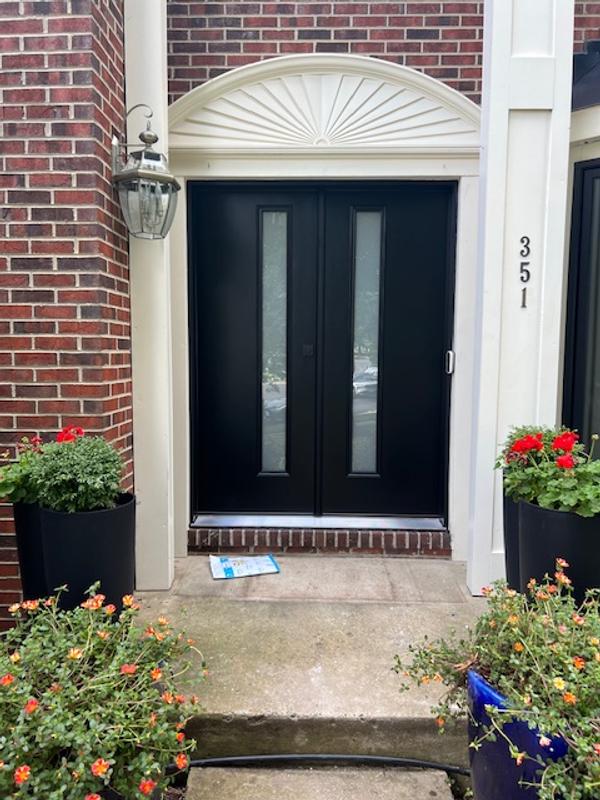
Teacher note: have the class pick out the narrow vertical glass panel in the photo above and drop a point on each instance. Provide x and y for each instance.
(365, 379)
(274, 225)
(592, 389)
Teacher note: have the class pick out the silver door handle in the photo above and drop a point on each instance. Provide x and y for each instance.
(450, 361)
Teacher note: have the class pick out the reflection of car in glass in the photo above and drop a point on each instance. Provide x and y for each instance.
(365, 382)
(274, 400)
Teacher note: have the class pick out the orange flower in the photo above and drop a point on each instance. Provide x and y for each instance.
(92, 797)
(152, 720)
(156, 674)
(100, 767)
(22, 774)
(578, 662)
(75, 653)
(110, 609)
(128, 600)
(7, 679)
(55, 687)
(163, 621)
(560, 562)
(30, 605)
(562, 578)
(149, 632)
(569, 698)
(513, 619)
(487, 591)
(30, 706)
(520, 758)
(180, 698)
(14, 608)
(94, 603)
(181, 760)
(147, 786)
(518, 647)
(440, 722)
(180, 736)
(167, 697)
(128, 669)
(103, 635)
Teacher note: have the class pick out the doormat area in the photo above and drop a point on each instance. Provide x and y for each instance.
(432, 544)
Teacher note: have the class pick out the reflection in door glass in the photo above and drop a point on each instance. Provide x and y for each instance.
(367, 270)
(592, 389)
(274, 340)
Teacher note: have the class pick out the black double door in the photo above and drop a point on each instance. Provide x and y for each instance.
(320, 319)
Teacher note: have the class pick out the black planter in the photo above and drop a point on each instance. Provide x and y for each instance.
(546, 535)
(511, 542)
(77, 549)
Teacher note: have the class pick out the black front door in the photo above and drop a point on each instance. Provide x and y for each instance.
(320, 318)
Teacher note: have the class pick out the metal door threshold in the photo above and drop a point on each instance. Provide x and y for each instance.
(329, 522)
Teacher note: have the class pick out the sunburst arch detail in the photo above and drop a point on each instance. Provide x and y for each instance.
(323, 102)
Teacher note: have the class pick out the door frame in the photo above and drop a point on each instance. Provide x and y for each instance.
(454, 157)
(318, 186)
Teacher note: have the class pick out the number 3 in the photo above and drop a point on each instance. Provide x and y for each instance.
(526, 249)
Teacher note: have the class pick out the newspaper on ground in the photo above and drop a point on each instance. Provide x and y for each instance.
(242, 566)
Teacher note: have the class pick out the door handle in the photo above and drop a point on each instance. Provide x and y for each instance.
(450, 361)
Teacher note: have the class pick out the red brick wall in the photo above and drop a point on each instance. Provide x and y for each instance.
(443, 39)
(64, 307)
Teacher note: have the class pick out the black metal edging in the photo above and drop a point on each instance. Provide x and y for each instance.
(324, 758)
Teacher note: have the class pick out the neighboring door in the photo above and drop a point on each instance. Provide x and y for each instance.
(320, 318)
(581, 395)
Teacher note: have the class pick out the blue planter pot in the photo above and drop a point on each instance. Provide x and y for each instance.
(494, 773)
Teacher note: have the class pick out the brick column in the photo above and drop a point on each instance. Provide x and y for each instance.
(64, 283)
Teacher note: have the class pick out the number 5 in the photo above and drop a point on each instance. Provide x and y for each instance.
(525, 273)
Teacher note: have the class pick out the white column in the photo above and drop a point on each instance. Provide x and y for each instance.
(528, 49)
(146, 82)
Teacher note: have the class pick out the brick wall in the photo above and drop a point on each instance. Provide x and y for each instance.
(443, 39)
(64, 308)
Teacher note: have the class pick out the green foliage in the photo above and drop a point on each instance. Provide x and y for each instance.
(82, 475)
(543, 654)
(556, 473)
(16, 482)
(88, 701)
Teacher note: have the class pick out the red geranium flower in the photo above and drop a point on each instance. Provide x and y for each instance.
(565, 441)
(566, 461)
(527, 443)
(69, 434)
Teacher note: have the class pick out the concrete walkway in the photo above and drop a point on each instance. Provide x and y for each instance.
(301, 662)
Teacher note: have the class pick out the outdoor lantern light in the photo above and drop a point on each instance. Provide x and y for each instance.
(147, 189)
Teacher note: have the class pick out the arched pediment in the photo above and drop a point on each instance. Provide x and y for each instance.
(324, 102)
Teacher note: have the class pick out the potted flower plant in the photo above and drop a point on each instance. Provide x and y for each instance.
(73, 523)
(556, 486)
(526, 677)
(88, 703)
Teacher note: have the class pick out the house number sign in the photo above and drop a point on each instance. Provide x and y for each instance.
(524, 270)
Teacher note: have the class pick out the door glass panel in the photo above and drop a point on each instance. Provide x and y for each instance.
(365, 378)
(274, 226)
(592, 393)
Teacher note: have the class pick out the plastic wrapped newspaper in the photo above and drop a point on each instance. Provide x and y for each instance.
(242, 566)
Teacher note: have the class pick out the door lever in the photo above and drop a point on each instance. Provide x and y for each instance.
(450, 360)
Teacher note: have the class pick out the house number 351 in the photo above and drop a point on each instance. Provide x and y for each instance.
(524, 271)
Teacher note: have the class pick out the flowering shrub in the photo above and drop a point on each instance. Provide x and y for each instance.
(75, 473)
(543, 653)
(551, 468)
(88, 702)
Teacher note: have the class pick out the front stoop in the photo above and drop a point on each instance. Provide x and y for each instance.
(426, 543)
(317, 784)
(301, 662)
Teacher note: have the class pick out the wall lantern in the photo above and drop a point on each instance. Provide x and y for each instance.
(147, 189)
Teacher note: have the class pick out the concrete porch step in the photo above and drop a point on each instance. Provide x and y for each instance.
(317, 784)
(301, 662)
